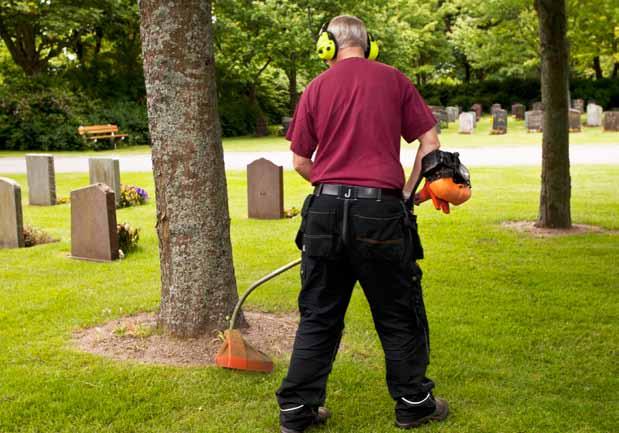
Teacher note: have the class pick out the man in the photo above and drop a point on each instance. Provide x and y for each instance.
(356, 227)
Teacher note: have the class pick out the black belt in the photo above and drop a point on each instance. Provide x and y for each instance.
(353, 192)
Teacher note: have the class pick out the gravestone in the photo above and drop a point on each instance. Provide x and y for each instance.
(611, 121)
(452, 113)
(441, 117)
(286, 124)
(265, 190)
(93, 223)
(534, 121)
(578, 104)
(477, 108)
(467, 122)
(574, 120)
(106, 171)
(11, 219)
(518, 111)
(474, 118)
(41, 179)
(499, 122)
(537, 106)
(494, 108)
(594, 115)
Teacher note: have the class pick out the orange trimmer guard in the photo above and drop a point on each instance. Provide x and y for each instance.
(237, 354)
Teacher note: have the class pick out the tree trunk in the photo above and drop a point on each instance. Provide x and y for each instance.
(293, 95)
(554, 210)
(597, 68)
(198, 287)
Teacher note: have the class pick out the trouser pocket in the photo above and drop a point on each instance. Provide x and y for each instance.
(318, 233)
(379, 238)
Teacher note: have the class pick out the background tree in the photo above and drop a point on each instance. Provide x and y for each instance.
(554, 209)
(198, 286)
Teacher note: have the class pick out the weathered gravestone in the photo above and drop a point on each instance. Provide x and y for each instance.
(93, 223)
(594, 115)
(474, 117)
(441, 117)
(578, 104)
(574, 120)
(467, 122)
(452, 113)
(11, 220)
(518, 111)
(494, 108)
(477, 108)
(499, 122)
(534, 120)
(41, 179)
(611, 121)
(537, 106)
(106, 171)
(265, 190)
(286, 124)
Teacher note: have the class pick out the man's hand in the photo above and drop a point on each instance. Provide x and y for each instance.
(428, 142)
(302, 165)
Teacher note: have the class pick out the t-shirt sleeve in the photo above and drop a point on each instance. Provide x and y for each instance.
(301, 130)
(417, 118)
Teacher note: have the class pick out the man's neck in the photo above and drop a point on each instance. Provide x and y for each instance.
(347, 53)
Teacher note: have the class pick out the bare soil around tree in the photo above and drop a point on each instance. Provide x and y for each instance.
(137, 338)
(529, 227)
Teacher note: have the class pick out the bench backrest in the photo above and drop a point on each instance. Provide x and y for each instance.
(97, 129)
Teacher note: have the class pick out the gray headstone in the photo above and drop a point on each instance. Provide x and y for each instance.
(578, 104)
(574, 120)
(93, 223)
(518, 111)
(594, 115)
(534, 120)
(286, 123)
(41, 179)
(537, 106)
(106, 171)
(494, 108)
(467, 123)
(265, 190)
(11, 219)
(441, 116)
(474, 117)
(610, 121)
(499, 122)
(452, 113)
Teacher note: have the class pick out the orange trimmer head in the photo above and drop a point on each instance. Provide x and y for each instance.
(237, 354)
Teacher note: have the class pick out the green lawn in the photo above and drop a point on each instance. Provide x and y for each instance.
(516, 136)
(524, 330)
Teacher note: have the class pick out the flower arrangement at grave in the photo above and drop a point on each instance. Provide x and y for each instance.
(34, 236)
(128, 238)
(131, 195)
(292, 212)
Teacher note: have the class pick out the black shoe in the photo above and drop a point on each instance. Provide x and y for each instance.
(410, 414)
(314, 417)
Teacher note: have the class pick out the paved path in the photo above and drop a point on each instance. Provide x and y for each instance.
(473, 157)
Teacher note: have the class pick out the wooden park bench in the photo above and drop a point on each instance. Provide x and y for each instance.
(101, 132)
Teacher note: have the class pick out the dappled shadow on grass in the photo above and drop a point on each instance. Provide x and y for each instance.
(137, 338)
(528, 227)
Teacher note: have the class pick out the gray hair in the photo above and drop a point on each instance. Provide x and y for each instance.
(349, 31)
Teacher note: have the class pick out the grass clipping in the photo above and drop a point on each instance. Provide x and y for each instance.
(137, 338)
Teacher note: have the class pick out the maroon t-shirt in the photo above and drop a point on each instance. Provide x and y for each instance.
(352, 115)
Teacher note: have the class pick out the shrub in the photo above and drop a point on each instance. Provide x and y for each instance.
(132, 196)
(128, 238)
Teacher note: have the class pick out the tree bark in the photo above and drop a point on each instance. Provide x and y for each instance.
(293, 95)
(198, 287)
(554, 210)
(597, 67)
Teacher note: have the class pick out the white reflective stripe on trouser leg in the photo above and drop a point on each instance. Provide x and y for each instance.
(292, 408)
(416, 402)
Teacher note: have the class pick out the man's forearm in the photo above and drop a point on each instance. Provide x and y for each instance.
(428, 142)
(303, 166)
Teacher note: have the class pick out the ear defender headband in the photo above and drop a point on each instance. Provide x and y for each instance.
(326, 45)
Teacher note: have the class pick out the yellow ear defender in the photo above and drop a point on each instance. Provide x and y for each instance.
(326, 45)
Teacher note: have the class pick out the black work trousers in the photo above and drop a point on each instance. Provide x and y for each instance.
(342, 242)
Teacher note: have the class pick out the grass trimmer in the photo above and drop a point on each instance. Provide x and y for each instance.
(236, 353)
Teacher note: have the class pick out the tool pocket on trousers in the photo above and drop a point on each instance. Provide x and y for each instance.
(379, 238)
(415, 241)
(318, 233)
